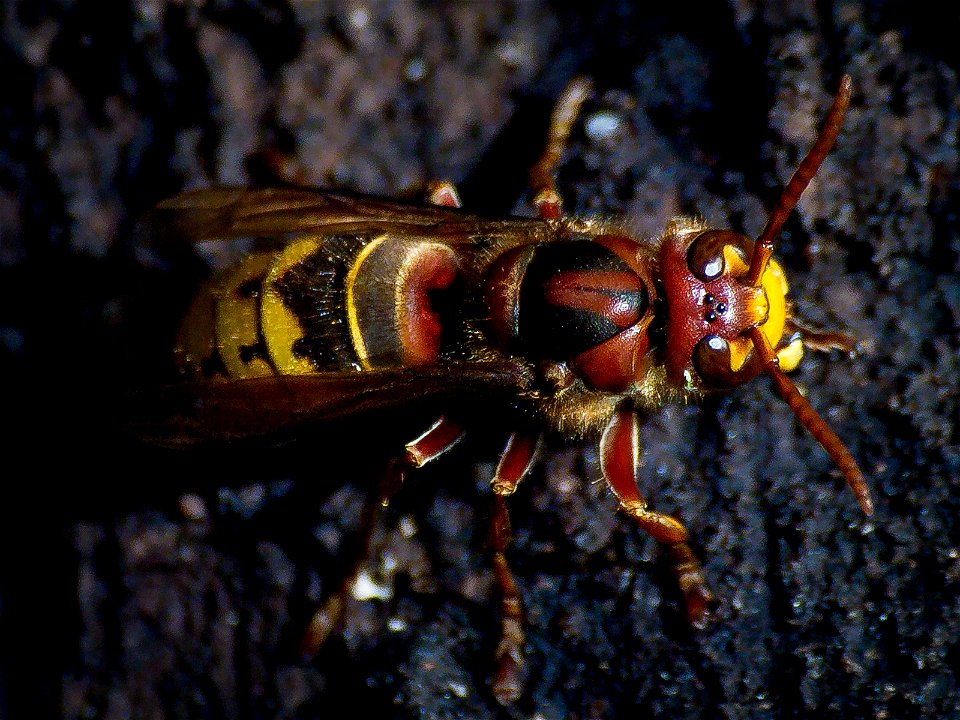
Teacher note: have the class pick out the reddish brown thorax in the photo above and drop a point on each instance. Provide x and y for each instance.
(587, 304)
(619, 362)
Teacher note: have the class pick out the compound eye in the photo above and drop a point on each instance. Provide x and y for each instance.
(713, 360)
(706, 258)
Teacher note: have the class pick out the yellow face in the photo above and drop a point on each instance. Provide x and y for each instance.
(770, 304)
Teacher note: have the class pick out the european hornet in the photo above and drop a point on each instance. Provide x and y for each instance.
(360, 302)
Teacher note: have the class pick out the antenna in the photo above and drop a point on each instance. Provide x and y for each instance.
(763, 249)
(812, 421)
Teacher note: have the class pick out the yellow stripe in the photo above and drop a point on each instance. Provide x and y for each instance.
(280, 326)
(356, 334)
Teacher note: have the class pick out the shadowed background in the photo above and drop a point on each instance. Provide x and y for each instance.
(180, 582)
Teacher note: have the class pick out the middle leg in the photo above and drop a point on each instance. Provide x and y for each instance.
(515, 463)
(543, 184)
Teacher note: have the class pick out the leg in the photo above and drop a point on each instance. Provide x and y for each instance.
(821, 341)
(275, 164)
(696, 594)
(441, 436)
(443, 193)
(619, 448)
(515, 463)
(546, 198)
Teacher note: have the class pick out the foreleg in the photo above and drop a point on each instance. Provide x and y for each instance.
(619, 452)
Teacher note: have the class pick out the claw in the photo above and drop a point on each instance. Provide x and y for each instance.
(325, 621)
(507, 683)
(700, 603)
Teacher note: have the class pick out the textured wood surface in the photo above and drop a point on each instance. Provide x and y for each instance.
(171, 605)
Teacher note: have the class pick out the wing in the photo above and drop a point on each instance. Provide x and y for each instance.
(190, 413)
(222, 213)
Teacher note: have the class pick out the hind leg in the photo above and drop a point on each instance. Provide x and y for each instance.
(439, 438)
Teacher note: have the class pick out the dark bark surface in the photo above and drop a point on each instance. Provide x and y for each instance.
(146, 583)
